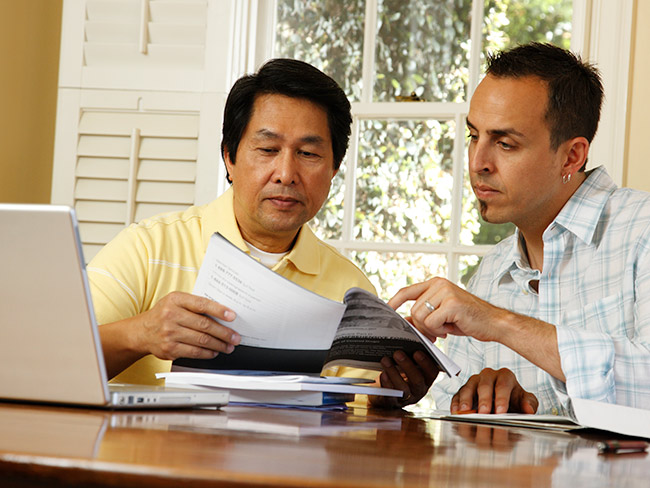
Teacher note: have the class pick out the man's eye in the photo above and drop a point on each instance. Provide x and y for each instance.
(472, 137)
(309, 154)
(504, 145)
(267, 150)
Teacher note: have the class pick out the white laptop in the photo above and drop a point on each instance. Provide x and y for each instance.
(50, 349)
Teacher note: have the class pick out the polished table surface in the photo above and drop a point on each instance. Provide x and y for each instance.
(253, 446)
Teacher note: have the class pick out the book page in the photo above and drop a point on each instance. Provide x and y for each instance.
(272, 312)
(534, 421)
(614, 418)
(370, 330)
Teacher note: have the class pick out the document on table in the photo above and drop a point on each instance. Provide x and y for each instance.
(270, 383)
(546, 422)
(586, 414)
(611, 417)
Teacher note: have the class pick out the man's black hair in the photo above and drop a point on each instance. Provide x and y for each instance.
(291, 78)
(575, 90)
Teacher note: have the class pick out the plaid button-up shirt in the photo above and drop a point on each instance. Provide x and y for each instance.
(595, 288)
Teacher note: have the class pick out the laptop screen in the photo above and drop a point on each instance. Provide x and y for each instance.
(49, 345)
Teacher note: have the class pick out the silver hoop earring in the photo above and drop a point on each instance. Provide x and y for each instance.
(566, 178)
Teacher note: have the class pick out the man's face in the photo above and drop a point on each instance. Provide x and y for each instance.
(283, 170)
(514, 172)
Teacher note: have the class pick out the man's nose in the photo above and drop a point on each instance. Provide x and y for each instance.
(480, 158)
(286, 168)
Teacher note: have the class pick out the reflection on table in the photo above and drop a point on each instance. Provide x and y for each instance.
(253, 446)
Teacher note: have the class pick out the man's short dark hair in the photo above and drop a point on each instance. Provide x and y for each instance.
(575, 90)
(291, 78)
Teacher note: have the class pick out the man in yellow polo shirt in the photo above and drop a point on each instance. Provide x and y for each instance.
(285, 133)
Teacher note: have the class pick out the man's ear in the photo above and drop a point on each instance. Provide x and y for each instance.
(229, 164)
(577, 150)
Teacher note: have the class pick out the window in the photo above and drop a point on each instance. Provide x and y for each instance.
(401, 206)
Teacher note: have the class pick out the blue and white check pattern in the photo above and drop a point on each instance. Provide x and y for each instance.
(595, 288)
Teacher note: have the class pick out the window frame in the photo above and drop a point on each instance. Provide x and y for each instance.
(601, 33)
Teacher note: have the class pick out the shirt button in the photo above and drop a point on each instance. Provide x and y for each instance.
(554, 411)
(524, 291)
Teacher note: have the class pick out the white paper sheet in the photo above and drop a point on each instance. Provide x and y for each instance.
(266, 383)
(271, 311)
(614, 418)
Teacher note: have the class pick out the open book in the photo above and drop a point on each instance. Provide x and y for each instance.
(584, 414)
(287, 328)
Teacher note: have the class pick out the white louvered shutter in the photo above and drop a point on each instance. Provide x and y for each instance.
(152, 43)
(141, 93)
(131, 165)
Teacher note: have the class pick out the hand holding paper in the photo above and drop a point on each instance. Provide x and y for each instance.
(285, 327)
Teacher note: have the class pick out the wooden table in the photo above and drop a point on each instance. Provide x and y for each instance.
(246, 446)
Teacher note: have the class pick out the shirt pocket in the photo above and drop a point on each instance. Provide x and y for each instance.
(609, 315)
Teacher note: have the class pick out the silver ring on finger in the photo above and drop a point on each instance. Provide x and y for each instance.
(430, 307)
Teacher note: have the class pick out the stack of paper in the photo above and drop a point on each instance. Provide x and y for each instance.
(302, 390)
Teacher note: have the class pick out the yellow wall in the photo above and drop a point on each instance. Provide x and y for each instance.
(637, 168)
(29, 55)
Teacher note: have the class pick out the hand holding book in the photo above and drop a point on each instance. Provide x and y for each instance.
(285, 327)
(413, 376)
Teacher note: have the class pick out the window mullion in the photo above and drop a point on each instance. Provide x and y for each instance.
(411, 247)
(457, 195)
(476, 44)
(409, 110)
(261, 33)
(368, 67)
(369, 36)
(349, 199)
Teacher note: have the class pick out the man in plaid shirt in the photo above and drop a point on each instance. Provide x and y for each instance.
(560, 309)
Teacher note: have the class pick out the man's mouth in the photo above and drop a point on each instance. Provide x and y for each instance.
(283, 201)
(484, 191)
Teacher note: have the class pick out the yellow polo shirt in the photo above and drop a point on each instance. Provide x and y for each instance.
(148, 260)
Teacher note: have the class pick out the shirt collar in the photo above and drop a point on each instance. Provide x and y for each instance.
(581, 214)
(513, 257)
(305, 254)
(220, 217)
